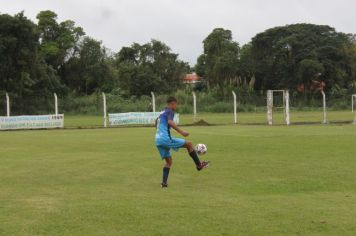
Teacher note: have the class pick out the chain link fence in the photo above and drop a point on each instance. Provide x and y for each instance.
(87, 111)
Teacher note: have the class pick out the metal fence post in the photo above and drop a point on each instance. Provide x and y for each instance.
(324, 107)
(153, 102)
(235, 107)
(104, 110)
(194, 105)
(7, 105)
(55, 104)
(270, 107)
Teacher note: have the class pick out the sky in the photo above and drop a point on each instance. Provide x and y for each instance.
(183, 24)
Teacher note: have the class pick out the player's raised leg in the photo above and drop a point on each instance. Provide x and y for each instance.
(193, 154)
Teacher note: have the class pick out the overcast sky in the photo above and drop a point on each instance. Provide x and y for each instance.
(183, 24)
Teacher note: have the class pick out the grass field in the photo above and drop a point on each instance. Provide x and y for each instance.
(258, 118)
(296, 180)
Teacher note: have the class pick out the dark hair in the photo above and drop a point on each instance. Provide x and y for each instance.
(171, 99)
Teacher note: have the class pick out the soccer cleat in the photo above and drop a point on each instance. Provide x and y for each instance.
(203, 165)
(164, 185)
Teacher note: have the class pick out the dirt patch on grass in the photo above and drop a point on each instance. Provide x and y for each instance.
(201, 123)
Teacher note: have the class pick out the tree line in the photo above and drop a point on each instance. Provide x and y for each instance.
(37, 59)
(291, 57)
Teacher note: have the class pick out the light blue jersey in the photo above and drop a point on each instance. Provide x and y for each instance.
(164, 140)
(163, 128)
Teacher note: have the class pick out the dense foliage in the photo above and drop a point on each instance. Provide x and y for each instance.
(149, 67)
(23, 70)
(219, 62)
(285, 57)
(38, 59)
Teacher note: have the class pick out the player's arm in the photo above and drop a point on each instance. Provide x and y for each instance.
(179, 130)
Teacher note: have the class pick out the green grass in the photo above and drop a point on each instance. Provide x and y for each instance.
(297, 117)
(296, 180)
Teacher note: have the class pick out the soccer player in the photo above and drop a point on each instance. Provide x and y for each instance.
(165, 142)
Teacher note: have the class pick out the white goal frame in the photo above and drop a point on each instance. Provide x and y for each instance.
(270, 94)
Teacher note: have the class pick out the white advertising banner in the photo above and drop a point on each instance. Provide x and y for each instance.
(136, 118)
(31, 122)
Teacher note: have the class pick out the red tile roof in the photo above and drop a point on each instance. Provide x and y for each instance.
(191, 78)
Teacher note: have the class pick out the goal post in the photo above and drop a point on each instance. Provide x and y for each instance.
(270, 105)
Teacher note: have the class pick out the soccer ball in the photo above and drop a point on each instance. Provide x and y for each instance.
(201, 149)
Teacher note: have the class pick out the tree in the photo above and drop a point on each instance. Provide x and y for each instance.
(285, 57)
(219, 62)
(81, 62)
(246, 66)
(59, 41)
(308, 69)
(149, 67)
(24, 74)
(89, 71)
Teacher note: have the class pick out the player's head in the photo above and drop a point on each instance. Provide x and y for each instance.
(172, 103)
